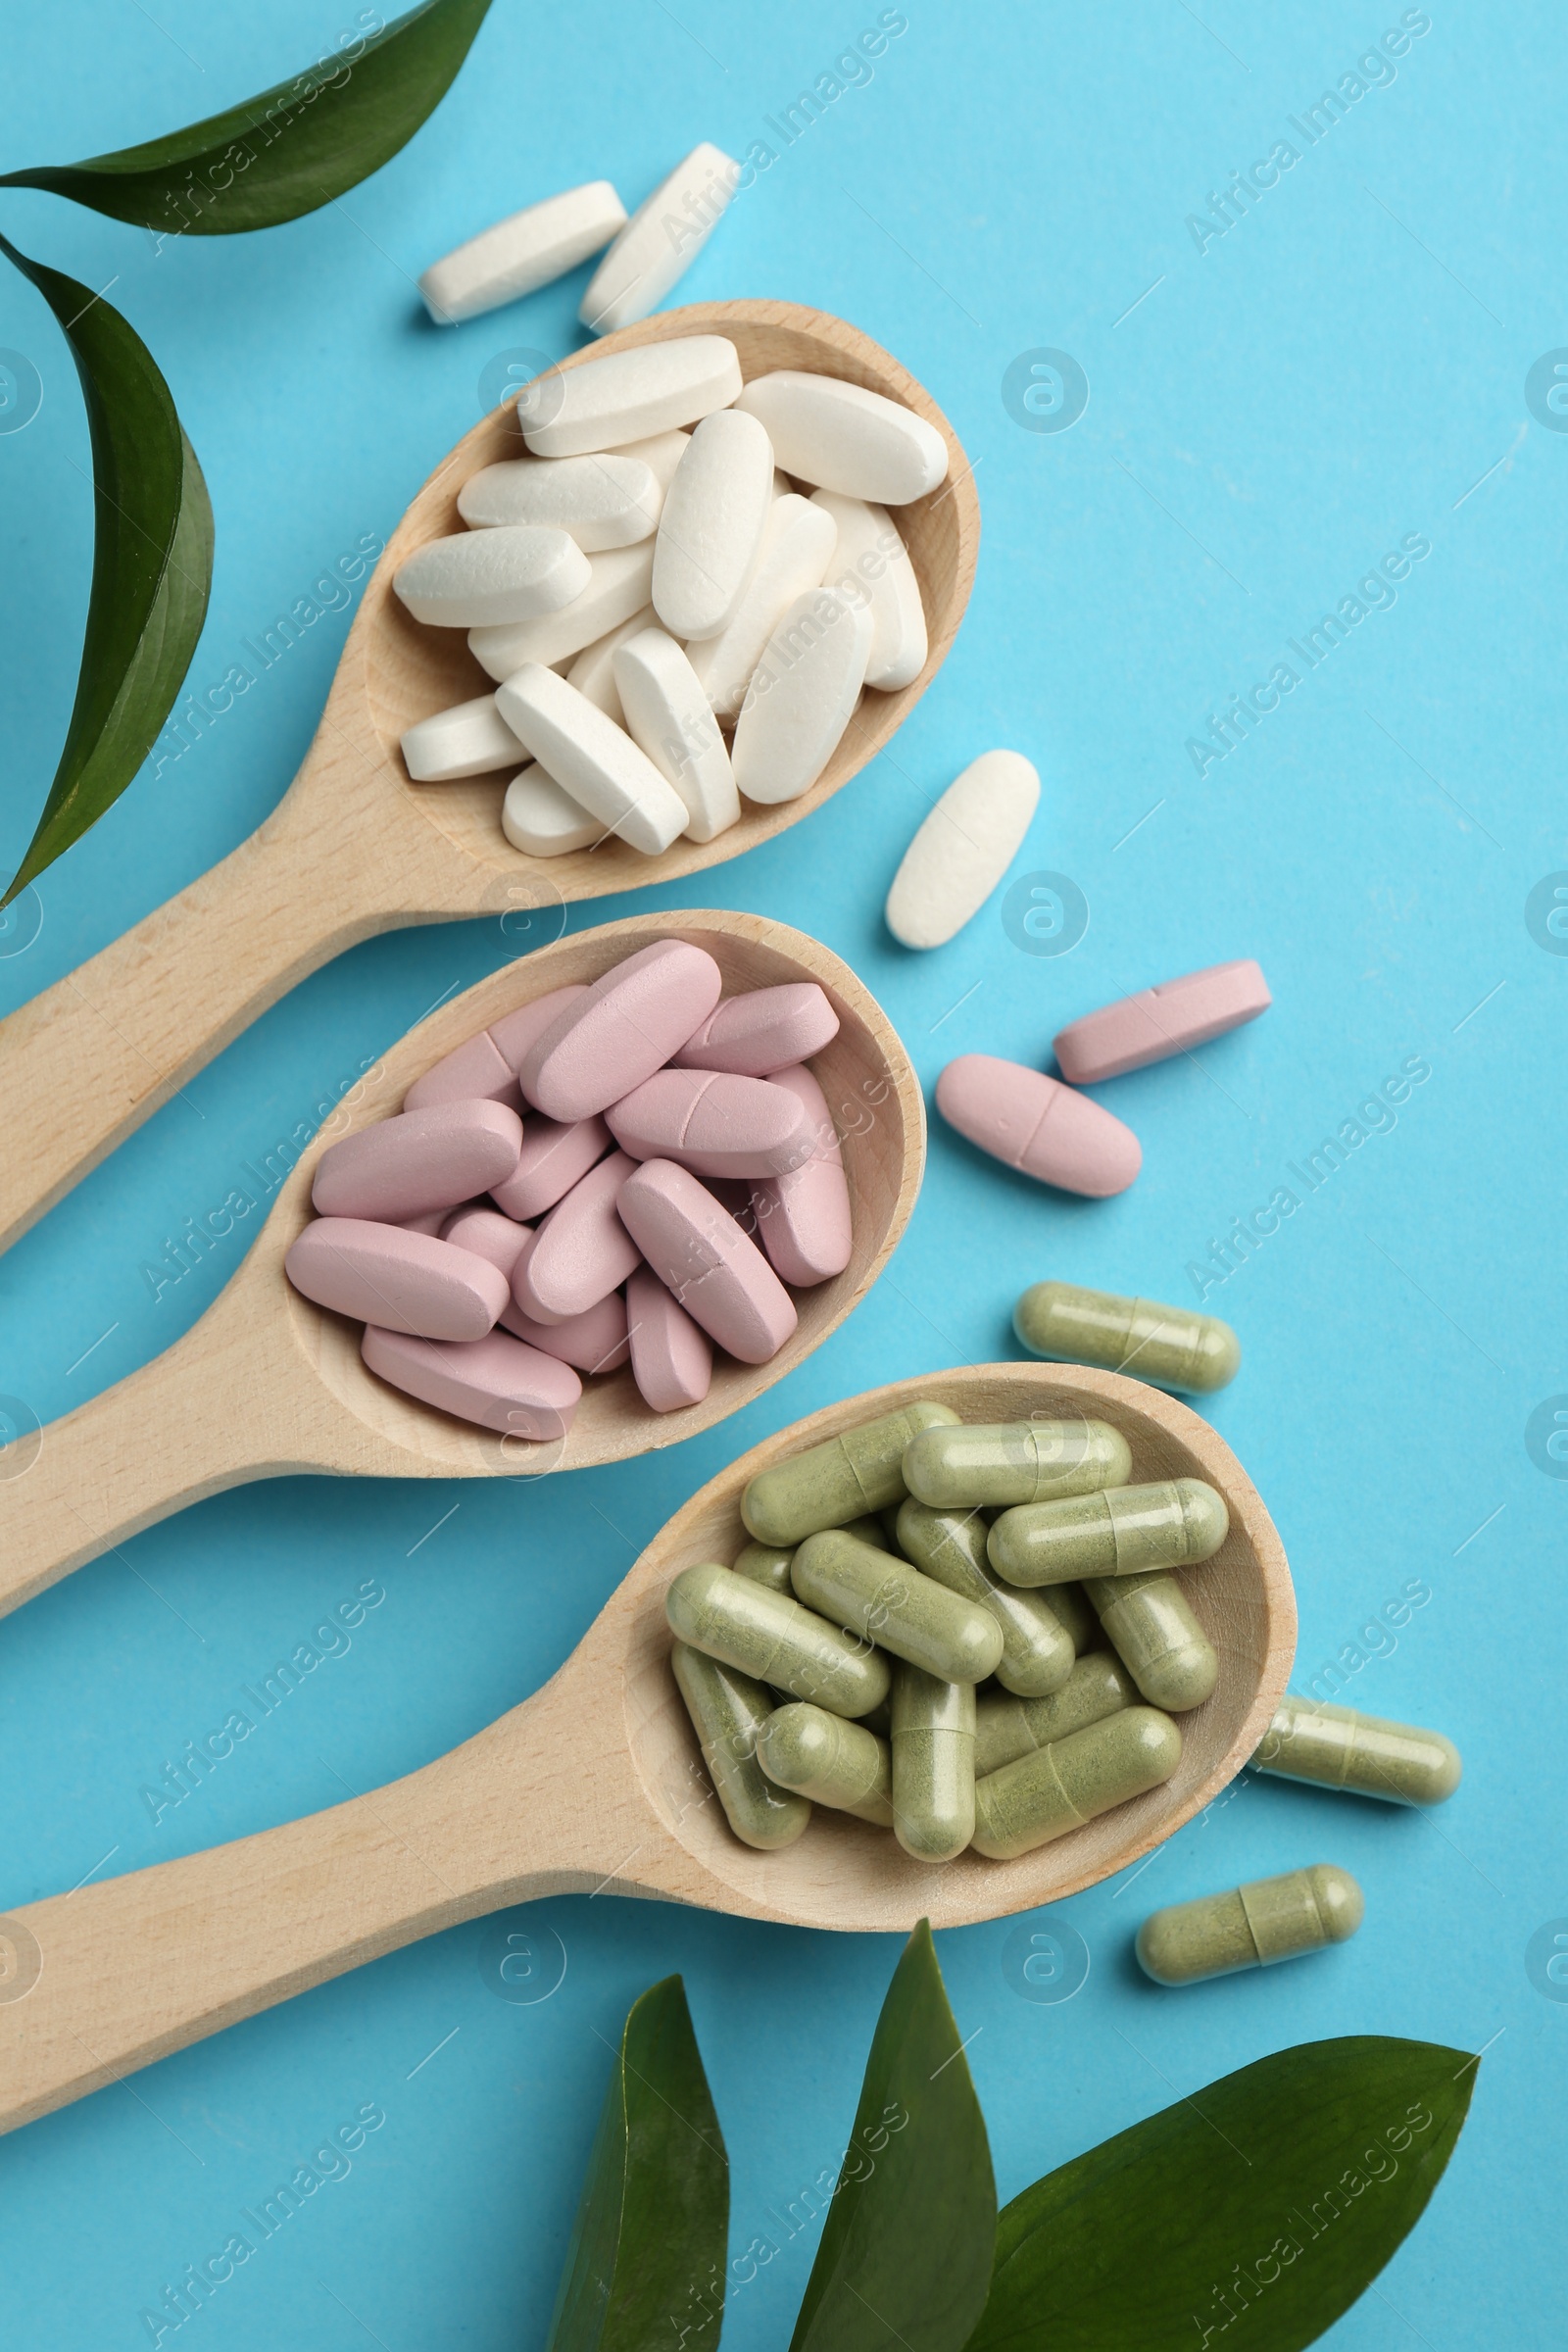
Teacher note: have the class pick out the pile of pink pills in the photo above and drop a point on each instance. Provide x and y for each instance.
(576, 1188)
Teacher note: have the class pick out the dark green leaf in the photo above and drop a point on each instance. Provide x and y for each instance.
(1267, 2203)
(152, 565)
(646, 2264)
(288, 149)
(907, 2249)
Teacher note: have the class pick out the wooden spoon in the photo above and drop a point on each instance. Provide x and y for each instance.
(355, 848)
(267, 1384)
(594, 1785)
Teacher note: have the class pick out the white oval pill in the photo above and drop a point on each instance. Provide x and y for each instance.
(478, 578)
(621, 396)
(797, 549)
(870, 559)
(617, 585)
(664, 709)
(711, 524)
(963, 848)
(541, 820)
(468, 740)
(801, 696)
(661, 241)
(592, 672)
(592, 760)
(660, 452)
(526, 250)
(605, 501)
(841, 437)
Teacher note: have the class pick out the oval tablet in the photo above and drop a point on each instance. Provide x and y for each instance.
(541, 820)
(664, 709)
(496, 1381)
(1171, 1018)
(871, 560)
(1040, 1127)
(711, 524)
(841, 437)
(803, 1217)
(801, 696)
(581, 1251)
(701, 1254)
(615, 588)
(712, 1123)
(661, 241)
(603, 501)
(478, 578)
(407, 1282)
(474, 1072)
(963, 850)
(471, 739)
(489, 1235)
(671, 1356)
(525, 251)
(623, 1029)
(621, 396)
(514, 1032)
(763, 1032)
(552, 1160)
(431, 1158)
(592, 760)
(594, 1341)
(593, 673)
(796, 550)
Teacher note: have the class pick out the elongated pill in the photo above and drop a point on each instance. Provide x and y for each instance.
(516, 1032)
(671, 1356)
(766, 1031)
(803, 1217)
(471, 739)
(541, 820)
(774, 1638)
(713, 1124)
(666, 712)
(1001, 1462)
(842, 437)
(700, 1253)
(893, 1604)
(949, 1546)
(859, 1470)
(963, 847)
(1174, 1523)
(1031, 1123)
(430, 1220)
(595, 1341)
(621, 1030)
(833, 1763)
(1252, 1926)
(660, 452)
(1043, 1795)
(593, 673)
(603, 501)
(795, 551)
(408, 1282)
(581, 1251)
(661, 241)
(801, 696)
(1171, 1347)
(869, 561)
(615, 588)
(475, 1072)
(621, 396)
(765, 1564)
(523, 252)
(1335, 1747)
(1149, 1622)
(932, 1740)
(711, 524)
(729, 1712)
(479, 579)
(499, 1240)
(1008, 1726)
(1171, 1018)
(552, 1160)
(431, 1158)
(1070, 1602)
(592, 758)
(497, 1382)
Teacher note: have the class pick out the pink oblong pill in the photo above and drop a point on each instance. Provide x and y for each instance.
(581, 1251)
(1039, 1126)
(428, 1220)
(803, 1217)
(551, 1159)
(421, 1159)
(405, 1282)
(700, 1253)
(595, 1341)
(713, 1123)
(769, 1029)
(497, 1382)
(514, 1032)
(625, 1029)
(474, 1072)
(499, 1240)
(672, 1358)
(1171, 1018)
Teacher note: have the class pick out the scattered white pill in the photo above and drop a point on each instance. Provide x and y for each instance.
(711, 524)
(478, 578)
(803, 695)
(592, 758)
(870, 559)
(666, 710)
(662, 453)
(841, 437)
(538, 817)
(621, 396)
(469, 740)
(603, 501)
(525, 251)
(593, 673)
(617, 585)
(963, 848)
(661, 241)
(797, 548)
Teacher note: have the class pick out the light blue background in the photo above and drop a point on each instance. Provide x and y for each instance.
(1345, 366)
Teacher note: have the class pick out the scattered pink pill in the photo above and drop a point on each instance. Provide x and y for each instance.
(595, 1341)
(713, 1123)
(625, 1028)
(803, 1217)
(475, 1072)
(551, 1162)
(767, 1030)
(700, 1253)
(671, 1359)
(428, 1220)
(489, 1235)
(1171, 1018)
(497, 1382)
(1038, 1125)
(581, 1251)
(421, 1159)
(407, 1282)
(513, 1034)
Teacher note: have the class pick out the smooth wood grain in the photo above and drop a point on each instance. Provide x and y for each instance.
(268, 1384)
(356, 848)
(594, 1786)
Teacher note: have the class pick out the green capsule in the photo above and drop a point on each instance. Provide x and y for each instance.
(829, 1762)
(868, 1529)
(1037, 1650)
(765, 1564)
(1250, 1926)
(1338, 1748)
(729, 1712)
(860, 1471)
(1059, 1787)
(770, 1637)
(873, 1593)
(1070, 1604)
(1014, 1461)
(1006, 1727)
(1172, 1524)
(1169, 1346)
(1150, 1623)
(933, 1764)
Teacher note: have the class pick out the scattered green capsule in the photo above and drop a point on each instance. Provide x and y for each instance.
(1250, 1926)
(1070, 1604)
(1014, 1461)
(770, 1637)
(862, 1470)
(1150, 1623)
(829, 1762)
(1057, 1788)
(1169, 1346)
(933, 1764)
(1339, 1748)
(766, 1564)
(1172, 1524)
(874, 1594)
(1037, 1650)
(868, 1529)
(1006, 1727)
(728, 1712)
